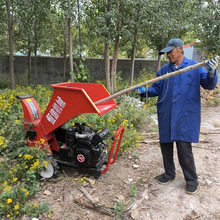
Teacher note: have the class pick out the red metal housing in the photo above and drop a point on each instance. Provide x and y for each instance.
(68, 100)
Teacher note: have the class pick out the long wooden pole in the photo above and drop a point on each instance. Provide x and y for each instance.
(159, 78)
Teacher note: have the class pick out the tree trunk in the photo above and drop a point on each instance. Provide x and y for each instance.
(133, 50)
(64, 51)
(115, 54)
(159, 59)
(35, 63)
(10, 33)
(114, 65)
(107, 66)
(158, 63)
(132, 64)
(70, 43)
(29, 62)
(106, 53)
(79, 29)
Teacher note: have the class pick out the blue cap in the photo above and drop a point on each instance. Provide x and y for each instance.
(176, 42)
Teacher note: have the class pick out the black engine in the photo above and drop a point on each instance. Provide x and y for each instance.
(83, 145)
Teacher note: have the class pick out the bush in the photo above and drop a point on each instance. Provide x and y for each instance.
(4, 83)
(19, 164)
(19, 180)
(150, 103)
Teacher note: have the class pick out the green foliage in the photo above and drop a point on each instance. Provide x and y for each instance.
(119, 208)
(35, 209)
(4, 83)
(207, 26)
(19, 180)
(121, 84)
(150, 102)
(32, 29)
(11, 114)
(44, 25)
(81, 73)
(166, 20)
(4, 49)
(133, 190)
(211, 100)
(19, 165)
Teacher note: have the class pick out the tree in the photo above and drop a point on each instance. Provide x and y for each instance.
(10, 38)
(70, 40)
(167, 19)
(98, 20)
(64, 49)
(116, 47)
(107, 28)
(108, 21)
(207, 28)
(81, 71)
(32, 29)
(3, 29)
(136, 14)
(58, 42)
(133, 49)
(106, 52)
(24, 36)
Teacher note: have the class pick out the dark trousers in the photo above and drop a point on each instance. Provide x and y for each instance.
(186, 161)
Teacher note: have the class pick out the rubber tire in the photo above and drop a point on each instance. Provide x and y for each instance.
(51, 169)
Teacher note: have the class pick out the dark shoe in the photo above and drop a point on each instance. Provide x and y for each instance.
(164, 180)
(191, 189)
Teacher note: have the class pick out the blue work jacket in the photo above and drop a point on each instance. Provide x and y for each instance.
(179, 102)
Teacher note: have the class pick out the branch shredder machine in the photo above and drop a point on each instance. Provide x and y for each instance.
(78, 146)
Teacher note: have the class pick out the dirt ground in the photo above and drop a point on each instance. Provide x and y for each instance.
(129, 189)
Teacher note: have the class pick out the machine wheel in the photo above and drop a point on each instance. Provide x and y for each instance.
(51, 169)
(97, 174)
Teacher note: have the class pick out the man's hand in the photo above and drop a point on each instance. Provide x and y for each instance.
(212, 64)
(140, 90)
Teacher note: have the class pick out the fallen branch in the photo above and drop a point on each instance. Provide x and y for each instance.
(150, 134)
(138, 202)
(206, 148)
(133, 207)
(149, 141)
(96, 207)
(88, 196)
(195, 217)
(212, 132)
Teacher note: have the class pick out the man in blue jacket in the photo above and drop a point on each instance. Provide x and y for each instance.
(179, 110)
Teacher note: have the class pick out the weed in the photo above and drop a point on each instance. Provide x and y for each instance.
(212, 102)
(119, 208)
(133, 190)
(136, 154)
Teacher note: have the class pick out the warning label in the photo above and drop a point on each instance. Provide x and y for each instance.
(33, 108)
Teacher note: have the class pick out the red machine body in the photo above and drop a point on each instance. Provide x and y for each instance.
(68, 100)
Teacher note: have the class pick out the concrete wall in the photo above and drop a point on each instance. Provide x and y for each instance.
(50, 69)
